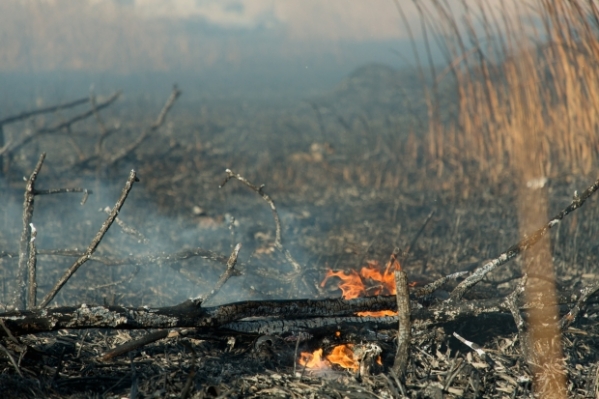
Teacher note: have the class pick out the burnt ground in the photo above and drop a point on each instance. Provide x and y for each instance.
(349, 188)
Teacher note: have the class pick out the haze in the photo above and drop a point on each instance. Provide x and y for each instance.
(216, 48)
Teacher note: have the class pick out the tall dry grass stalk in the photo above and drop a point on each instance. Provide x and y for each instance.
(526, 87)
(526, 101)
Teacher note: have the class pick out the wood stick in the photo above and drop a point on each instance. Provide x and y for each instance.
(32, 270)
(585, 295)
(21, 284)
(226, 275)
(405, 326)
(132, 231)
(134, 344)
(521, 246)
(144, 135)
(46, 110)
(64, 125)
(406, 252)
(94, 243)
(279, 317)
(278, 244)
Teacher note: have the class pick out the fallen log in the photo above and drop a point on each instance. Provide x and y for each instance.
(276, 316)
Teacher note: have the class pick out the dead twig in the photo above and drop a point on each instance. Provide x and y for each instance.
(585, 294)
(406, 252)
(144, 135)
(260, 191)
(521, 246)
(128, 229)
(85, 192)
(134, 344)
(21, 285)
(435, 285)
(511, 302)
(65, 124)
(94, 243)
(32, 269)
(405, 325)
(103, 130)
(192, 372)
(226, 275)
(11, 359)
(46, 110)
(278, 244)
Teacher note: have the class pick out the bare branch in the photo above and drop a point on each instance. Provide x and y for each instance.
(21, 285)
(103, 130)
(128, 229)
(134, 344)
(95, 242)
(403, 315)
(571, 316)
(278, 244)
(32, 270)
(406, 252)
(46, 110)
(133, 260)
(64, 125)
(157, 124)
(523, 245)
(226, 275)
(11, 359)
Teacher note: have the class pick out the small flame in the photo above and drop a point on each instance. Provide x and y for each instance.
(343, 355)
(371, 281)
(313, 360)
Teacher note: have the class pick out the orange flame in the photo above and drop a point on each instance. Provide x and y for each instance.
(313, 360)
(371, 281)
(342, 355)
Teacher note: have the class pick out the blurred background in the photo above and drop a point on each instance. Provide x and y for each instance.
(210, 47)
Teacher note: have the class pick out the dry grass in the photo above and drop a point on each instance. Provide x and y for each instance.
(526, 88)
(524, 78)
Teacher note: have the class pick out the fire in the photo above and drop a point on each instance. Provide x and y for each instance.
(313, 360)
(342, 355)
(371, 281)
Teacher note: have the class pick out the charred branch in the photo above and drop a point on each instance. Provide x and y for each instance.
(405, 325)
(277, 317)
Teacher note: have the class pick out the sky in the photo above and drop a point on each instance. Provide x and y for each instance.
(303, 42)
